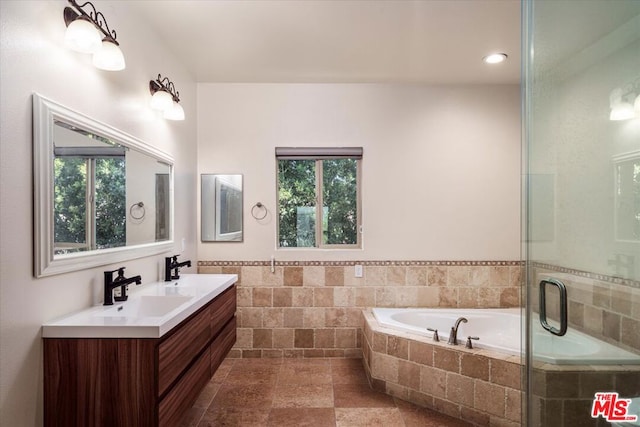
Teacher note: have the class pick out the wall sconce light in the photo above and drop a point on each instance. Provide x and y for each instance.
(625, 102)
(165, 98)
(85, 33)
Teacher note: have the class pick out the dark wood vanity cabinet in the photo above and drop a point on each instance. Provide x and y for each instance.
(137, 381)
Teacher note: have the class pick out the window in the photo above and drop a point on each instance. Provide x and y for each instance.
(319, 197)
(89, 184)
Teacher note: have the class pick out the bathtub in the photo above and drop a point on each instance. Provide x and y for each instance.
(500, 330)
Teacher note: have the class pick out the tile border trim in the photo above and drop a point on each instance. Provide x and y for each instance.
(588, 275)
(203, 263)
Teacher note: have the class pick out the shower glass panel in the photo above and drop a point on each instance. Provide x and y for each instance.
(582, 210)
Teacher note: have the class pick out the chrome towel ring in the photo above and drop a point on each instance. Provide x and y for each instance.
(256, 210)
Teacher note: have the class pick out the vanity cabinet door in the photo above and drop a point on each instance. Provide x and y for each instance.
(176, 352)
(222, 344)
(222, 309)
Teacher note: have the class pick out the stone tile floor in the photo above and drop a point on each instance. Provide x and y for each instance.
(302, 392)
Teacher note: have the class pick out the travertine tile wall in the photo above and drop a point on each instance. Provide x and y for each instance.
(313, 309)
(605, 307)
(479, 386)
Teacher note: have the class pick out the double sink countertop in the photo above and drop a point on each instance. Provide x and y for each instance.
(150, 312)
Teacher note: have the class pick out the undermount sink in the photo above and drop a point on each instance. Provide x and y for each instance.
(147, 306)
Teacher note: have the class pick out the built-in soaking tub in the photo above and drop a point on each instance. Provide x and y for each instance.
(500, 330)
(483, 385)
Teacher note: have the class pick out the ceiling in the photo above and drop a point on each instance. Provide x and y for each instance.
(324, 41)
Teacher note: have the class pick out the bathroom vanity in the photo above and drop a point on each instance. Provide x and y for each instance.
(143, 362)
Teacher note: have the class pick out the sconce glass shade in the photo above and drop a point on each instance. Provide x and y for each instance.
(622, 111)
(161, 101)
(82, 36)
(109, 57)
(176, 112)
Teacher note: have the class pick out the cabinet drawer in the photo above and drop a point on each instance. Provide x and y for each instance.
(222, 344)
(176, 352)
(185, 392)
(222, 309)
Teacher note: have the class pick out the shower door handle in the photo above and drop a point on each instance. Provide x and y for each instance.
(563, 306)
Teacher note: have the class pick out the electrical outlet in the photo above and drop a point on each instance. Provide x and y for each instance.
(358, 270)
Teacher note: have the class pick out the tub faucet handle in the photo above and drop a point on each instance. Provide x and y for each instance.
(436, 337)
(469, 345)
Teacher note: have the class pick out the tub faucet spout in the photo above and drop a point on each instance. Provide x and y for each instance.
(453, 335)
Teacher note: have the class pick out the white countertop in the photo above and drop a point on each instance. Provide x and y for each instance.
(172, 302)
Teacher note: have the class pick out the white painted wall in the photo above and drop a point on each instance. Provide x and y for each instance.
(33, 59)
(441, 168)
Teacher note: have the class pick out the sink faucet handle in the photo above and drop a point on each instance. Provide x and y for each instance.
(469, 338)
(436, 337)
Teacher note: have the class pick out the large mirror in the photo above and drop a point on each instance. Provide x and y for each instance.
(101, 196)
(221, 207)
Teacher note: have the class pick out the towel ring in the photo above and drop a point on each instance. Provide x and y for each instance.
(259, 206)
(140, 205)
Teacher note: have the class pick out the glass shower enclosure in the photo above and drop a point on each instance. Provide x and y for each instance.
(581, 162)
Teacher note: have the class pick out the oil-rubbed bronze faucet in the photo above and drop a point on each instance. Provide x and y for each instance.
(120, 281)
(171, 263)
(453, 335)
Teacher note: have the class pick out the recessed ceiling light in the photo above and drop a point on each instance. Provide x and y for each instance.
(495, 58)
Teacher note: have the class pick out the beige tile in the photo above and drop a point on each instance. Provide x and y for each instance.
(601, 295)
(515, 276)
(499, 276)
(292, 276)
(396, 276)
(272, 279)
(345, 338)
(510, 297)
(250, 317)
(479, 276)
(313, 317)
(398, 347)
(217, 416)
(448, 297)
(458, 276)
(313, 276)
(467, 297)
(273, 317)
(334, 276)
(323, 297)
(593, 319)
(336, 317)
(348, 371)
(244, 297)
(407, 296)
(474, 366)
(365, 297)
(428, 297)
(368, 417)
(251, 276)
(448, 360)
(621, 300)
(433, 381)
(421, 353)
(375, 275)
(302, 297)
(293, 317)
(244, 338)
(489, 398)
(262, 338)
(416, 276)
(505, 373)
(385, 367)
(437, 276)
(303, 338)
(409, 374)
(302, 417)
(209, 269)
(262, 297)
(305, 372)
(460, 389)
(379, 343)
(303, 396)
(283, 338)
(245, 396)
(360, 395)
(325, 338)
(513, 405)
(630, 332)
(344, 297)
(415, 416)
(282, 297)
(611, 325)
(385, 297)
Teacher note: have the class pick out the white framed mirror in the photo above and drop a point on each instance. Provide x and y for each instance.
(221, 207)
(100, 195)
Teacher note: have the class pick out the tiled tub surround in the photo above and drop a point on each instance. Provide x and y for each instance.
(605, 307)
(313, 309)
(479, 386)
